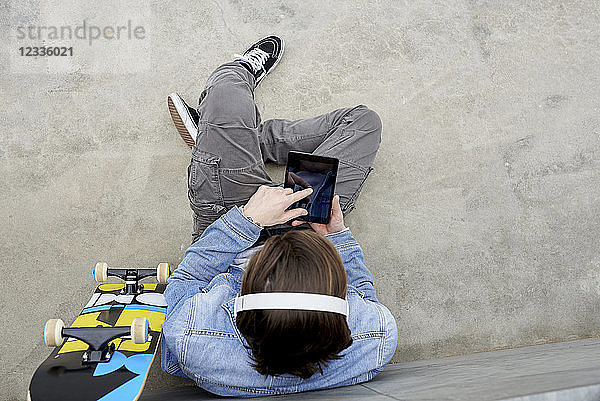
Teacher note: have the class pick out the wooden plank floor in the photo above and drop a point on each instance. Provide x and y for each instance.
(568, 371)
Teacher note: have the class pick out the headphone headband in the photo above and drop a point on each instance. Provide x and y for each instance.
(291, 300)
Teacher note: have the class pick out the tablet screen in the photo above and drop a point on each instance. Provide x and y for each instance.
(304, 170)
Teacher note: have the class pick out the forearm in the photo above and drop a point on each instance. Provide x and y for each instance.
(211, 254)
(353, 258)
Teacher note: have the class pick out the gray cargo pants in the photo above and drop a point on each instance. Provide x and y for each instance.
(233, 145)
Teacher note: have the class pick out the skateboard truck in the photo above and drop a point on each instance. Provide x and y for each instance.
(98, 338)
(131, 276)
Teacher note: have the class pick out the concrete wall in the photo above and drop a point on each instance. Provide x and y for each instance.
(480, 222)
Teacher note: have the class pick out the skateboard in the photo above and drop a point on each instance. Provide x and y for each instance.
(107, 352)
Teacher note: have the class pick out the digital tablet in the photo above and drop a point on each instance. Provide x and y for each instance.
(304, 170)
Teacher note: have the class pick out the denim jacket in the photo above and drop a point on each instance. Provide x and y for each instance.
(201, 340)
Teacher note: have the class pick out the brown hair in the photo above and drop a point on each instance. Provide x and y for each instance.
(297, 342)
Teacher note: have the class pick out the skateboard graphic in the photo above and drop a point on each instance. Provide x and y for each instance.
(107, 352)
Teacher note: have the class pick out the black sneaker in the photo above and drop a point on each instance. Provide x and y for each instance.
(185, 118)
(262, 56)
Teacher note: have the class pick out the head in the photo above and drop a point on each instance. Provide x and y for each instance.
(297, 342)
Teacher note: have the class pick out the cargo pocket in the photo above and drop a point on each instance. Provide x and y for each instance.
(204, 185)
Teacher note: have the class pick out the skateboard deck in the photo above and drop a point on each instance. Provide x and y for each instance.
(66, 375)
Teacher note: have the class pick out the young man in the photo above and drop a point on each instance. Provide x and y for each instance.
(259, 306)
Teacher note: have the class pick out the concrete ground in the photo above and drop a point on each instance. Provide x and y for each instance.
(480, 222)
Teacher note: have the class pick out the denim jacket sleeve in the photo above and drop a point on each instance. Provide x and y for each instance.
(353, 258)
(211, 255)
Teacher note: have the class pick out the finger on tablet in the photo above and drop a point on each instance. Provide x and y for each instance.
(296, 196)
(297, 223)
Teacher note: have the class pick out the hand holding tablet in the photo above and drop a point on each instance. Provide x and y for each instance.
(307, 195)
(336, 223)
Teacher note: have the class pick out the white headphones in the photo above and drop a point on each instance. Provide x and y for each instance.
(291, 300)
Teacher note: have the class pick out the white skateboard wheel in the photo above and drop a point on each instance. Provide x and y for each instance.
(53, 332)
(101, 272)
(139, 330)
(162, 272)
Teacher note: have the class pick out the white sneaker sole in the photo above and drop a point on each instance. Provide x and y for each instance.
(185, 125)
